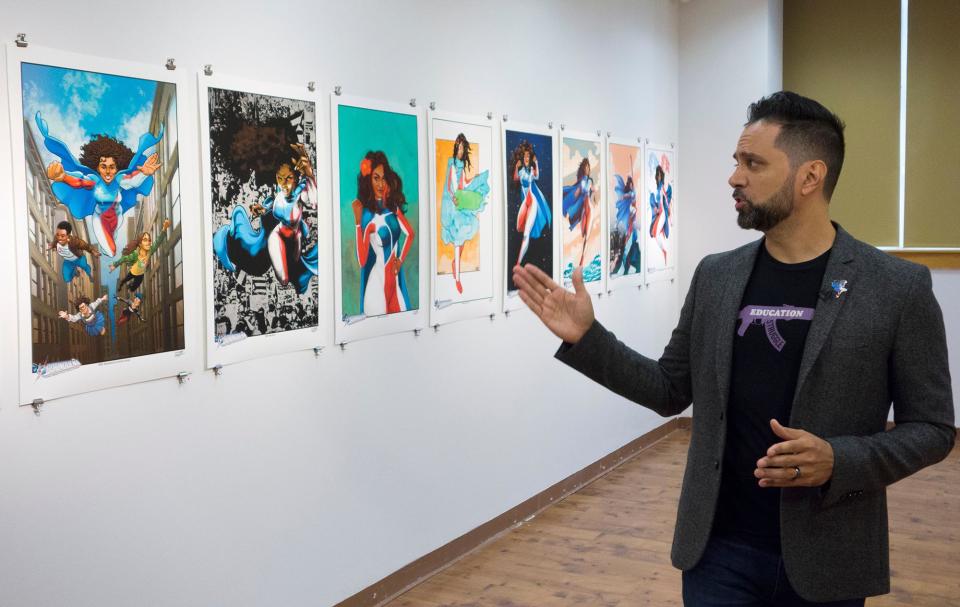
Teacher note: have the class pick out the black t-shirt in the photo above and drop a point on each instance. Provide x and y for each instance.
(778, 305)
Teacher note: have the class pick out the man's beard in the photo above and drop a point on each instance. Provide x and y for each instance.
(766, 215)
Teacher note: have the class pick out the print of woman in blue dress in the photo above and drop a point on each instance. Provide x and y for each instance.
(461, 202)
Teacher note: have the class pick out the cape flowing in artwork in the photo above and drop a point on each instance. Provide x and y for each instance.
(529, 203)
(582, 179)
(261, 207)
(101, 227)
(660, 213)
(378, 218)
(625, 213)
(462, 186)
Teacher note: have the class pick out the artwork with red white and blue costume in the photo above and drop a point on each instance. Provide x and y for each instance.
(262, 194)
(102, 214)
(582, 178)
(378, 215)
(624, 187)
(660, 213)
(461, 185)
(529, 194)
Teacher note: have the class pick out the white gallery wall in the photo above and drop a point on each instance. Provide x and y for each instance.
(730, 56)
(297, 480)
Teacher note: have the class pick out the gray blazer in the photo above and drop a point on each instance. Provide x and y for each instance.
(881, 341)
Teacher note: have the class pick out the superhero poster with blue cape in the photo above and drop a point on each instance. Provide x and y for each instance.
(582, 244)
(529, 177)
(102, 206)
(660, 213)
(262, 196)
(625, 213)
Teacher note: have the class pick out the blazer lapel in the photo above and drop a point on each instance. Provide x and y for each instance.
(732, 295)
(840, 267)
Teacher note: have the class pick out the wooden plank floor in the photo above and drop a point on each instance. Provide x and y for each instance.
(609, 544)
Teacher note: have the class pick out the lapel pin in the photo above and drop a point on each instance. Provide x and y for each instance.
(839, 288)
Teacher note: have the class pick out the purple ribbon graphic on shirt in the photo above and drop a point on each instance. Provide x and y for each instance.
(768, 317)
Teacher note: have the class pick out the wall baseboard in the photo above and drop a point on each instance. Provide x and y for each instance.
(419, 570)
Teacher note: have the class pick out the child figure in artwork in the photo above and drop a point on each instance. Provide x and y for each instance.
(137, 255)
(384, 236)
(629, 253)
(534, 213)
(71, 250)
(87, 312)
(461, 202)
(661, 216)
(104, 183)
(577, 202)
(131, 308)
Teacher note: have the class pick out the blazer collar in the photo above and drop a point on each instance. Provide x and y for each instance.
(841, 271)
(840, 266)
(739, 270)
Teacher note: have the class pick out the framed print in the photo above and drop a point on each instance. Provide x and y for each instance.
(106, 292)
(378, 218)
(530, 203)
(262, 202)
(625, 243)
(581, 174)
(464, 213)
(660, 213)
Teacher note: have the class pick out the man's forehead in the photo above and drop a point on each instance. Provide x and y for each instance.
(758, 136)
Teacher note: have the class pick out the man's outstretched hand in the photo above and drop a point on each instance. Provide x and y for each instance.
(568, 315)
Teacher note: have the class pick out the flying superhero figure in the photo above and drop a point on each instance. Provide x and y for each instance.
(96, 186)
(131, 308)
(629, 252)
(137, 255)
(70, 248)
(661, 203)
(277, 242)
(93, 322)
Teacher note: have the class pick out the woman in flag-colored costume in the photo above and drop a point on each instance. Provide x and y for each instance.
(384, 237)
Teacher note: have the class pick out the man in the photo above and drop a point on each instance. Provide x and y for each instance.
(791, 349)
(70, 248)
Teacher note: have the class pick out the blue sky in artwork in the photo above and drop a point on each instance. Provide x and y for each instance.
(78, 104)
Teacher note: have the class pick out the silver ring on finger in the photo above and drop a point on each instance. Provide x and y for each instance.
(796, 472)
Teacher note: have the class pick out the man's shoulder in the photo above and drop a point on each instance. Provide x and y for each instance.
(724, 260)
(881, 264)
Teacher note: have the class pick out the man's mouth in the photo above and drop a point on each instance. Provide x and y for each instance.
(740, 201)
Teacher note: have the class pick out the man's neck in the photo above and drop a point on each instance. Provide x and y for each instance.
(798, 239)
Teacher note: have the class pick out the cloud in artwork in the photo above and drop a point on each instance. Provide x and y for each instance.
(84, 89)
(64, 126)
(132, 127)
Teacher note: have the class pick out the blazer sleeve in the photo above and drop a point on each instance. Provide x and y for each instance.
(924, 432)
(661, 385)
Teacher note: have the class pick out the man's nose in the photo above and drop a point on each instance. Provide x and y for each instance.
(736, 179)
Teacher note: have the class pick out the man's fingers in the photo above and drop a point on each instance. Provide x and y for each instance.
(790, 446)
(534, 307)
(532, 291)
(784, 461)
(785, 432)
(540, 277)
(578, 282)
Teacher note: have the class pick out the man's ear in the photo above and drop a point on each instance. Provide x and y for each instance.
(811, 175)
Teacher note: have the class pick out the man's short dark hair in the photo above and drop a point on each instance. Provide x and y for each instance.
(65, 226)
(808, 131)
